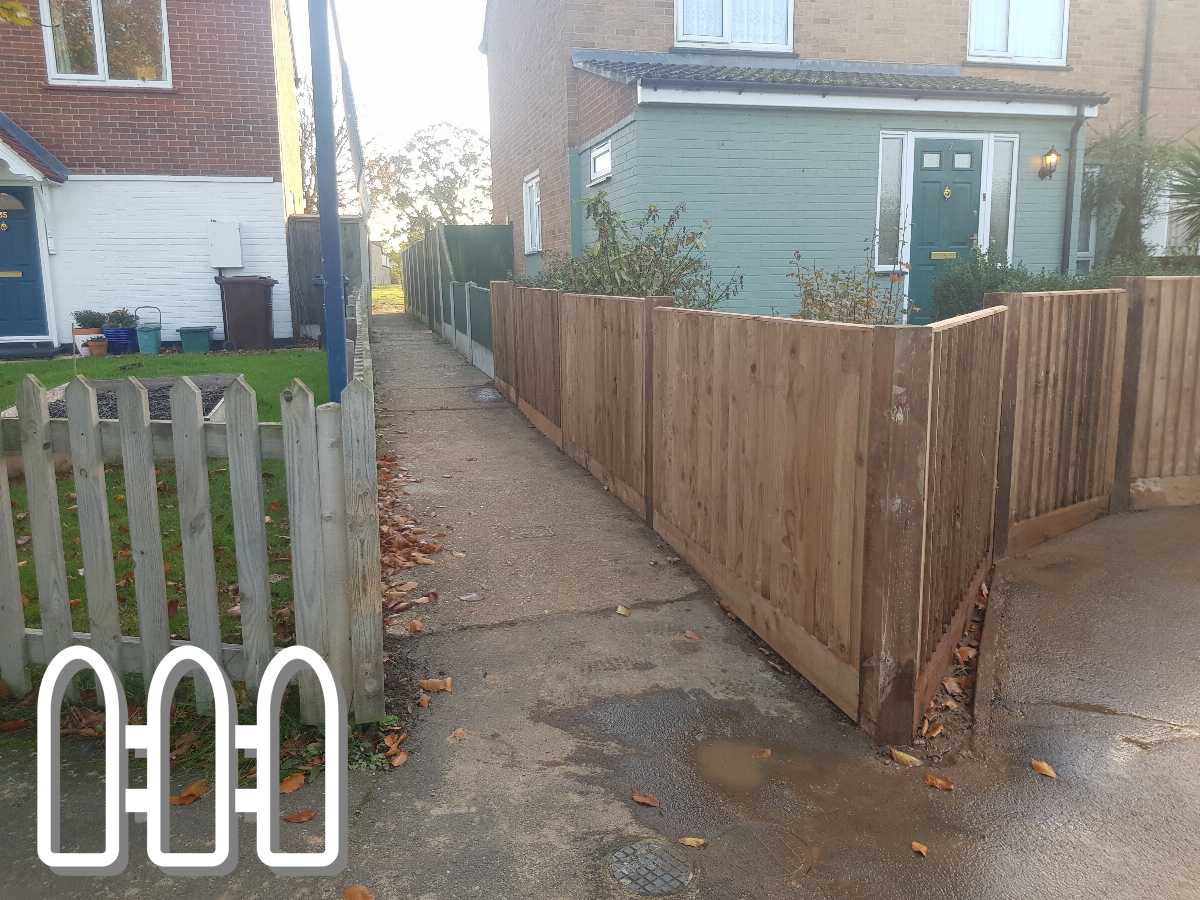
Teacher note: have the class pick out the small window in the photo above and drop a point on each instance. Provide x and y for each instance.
(10, 203)
(601, 162)
(963, 160)
(1085, 240)
(740, 24)
(891, 193)
(120, 42)
(931, 160)
(1004, 160)
(532, 192)
(1030, 32)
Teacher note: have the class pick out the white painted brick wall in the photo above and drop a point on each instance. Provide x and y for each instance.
(144, 242)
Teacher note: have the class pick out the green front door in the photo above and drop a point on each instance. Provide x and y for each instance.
(945, 226)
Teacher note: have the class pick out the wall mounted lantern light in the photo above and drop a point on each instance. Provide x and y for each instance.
(1050, 160)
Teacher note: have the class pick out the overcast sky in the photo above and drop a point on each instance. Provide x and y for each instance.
(412, 63)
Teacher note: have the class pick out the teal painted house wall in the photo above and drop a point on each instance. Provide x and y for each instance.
(621, 187)
(771, 182)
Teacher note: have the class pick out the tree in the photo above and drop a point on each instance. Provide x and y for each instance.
(347, 182)
(1185, 192)
(441, 177)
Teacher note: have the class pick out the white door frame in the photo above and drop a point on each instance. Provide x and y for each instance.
(28, 177)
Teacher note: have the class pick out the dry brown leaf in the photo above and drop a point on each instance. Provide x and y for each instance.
(694, 842)
(764, 753)
(624, 611)
(936, 730)
(939, 782)
(299, 818)
(457, 734)
(919, 848)
(952, 686)
(292, 783)
(985, 590)
(423, 701)
(906, 759)
(692, 636)
(438, 685)
(399, 758)
(393, 741)
(964, 654)
(416, 626)
(406, 587)
(1043, 768)
(951, 704)
(358, 892)
(925, 726)
(190, 794)
(645, 799)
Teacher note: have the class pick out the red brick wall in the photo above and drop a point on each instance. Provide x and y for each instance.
(219, 118)
(597, 104)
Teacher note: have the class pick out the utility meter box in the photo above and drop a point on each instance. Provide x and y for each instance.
(225, 244)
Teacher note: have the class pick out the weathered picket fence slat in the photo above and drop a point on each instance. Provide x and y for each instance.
(216, 445)
(12, 612)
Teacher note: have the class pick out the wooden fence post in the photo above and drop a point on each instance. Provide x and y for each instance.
(304, 519)
(12, 615)
(331, 475)
(1121, 499)
(894, 533)
(652, 303)
(95, 531)
(250, 530)
(363, 563)
(45, 522)
(1008, 411)
(195, 526)
(145, 529)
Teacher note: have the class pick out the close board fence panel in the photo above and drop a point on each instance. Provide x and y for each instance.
(504, 339)
(537, 367)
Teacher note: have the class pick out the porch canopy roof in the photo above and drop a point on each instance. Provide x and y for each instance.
(726, 71)
(24, 155)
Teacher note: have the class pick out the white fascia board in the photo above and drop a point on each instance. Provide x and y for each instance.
(839, 101)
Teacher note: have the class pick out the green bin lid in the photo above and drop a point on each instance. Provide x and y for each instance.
(197, 329)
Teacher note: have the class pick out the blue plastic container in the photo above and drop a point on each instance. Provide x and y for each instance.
(121, 341)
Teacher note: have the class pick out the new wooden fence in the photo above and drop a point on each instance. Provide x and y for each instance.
(815, 474)
(328, 456)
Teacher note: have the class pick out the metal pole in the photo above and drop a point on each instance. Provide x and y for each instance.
(327, 199)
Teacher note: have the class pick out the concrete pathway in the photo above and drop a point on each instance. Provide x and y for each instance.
(568, 708)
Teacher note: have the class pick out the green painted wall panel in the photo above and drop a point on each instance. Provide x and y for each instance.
(621, 188)
(770, 182)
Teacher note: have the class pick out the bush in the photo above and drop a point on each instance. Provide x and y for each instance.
(859, 296)
(88, 318)
(651, 258)
(962, 287)
(121, 318)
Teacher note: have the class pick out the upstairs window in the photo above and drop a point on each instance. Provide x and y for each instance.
(1029, 32)
(121, 42)
(736, 24)
(532, 192)
(601, 167)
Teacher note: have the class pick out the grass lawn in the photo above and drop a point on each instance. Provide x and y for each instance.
(385, 300)
(267, 373)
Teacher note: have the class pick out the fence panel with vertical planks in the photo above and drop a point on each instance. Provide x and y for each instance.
(760, 451)
(1060, 414)
(329, 465)
(537, 368)
(504, 339)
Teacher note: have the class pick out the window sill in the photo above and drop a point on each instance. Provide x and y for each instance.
(1009, 63)
(111, 86)
(600, 180)
(733, 50)
(533, 252)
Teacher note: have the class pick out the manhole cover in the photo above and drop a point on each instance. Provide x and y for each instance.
(487, 395)
(652, 869)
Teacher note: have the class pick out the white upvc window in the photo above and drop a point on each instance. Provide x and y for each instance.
(532, 194)
(894, 212)
(1019, 32)
(1089, 221)
(108, 42)
(602, 163)
(735, 24)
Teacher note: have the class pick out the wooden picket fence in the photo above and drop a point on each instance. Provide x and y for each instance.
(328, 455)
(833, 483)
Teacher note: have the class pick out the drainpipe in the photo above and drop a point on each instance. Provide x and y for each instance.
(1072, 173)
(1147, 66)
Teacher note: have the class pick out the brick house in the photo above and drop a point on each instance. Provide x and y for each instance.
(846, 131)
(133, 138)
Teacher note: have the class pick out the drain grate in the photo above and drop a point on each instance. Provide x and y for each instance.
(652, 868)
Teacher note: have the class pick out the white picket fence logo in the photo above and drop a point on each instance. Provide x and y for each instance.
(152, 739)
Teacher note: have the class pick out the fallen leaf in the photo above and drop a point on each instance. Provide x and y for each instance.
(694, 842)
(457, 735)
(190, 794)
(1044, 768)
(919, 848)
(458, 554)
(393, 741)
(14, 725)
(645, 799)
(623, 611)
(423, 701)
(952, 686)
(358, 892)
(299, 818)
(937, 781)
(438, 685)
(23, 540)
(399, 758)
(235, 611)
(416, 626)
(936, 730)
(692, 636)
(292, 783)
(405, 587)
(951, 704)
(965, 654)
(985, 590)
(764, 753)
(906, 759)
